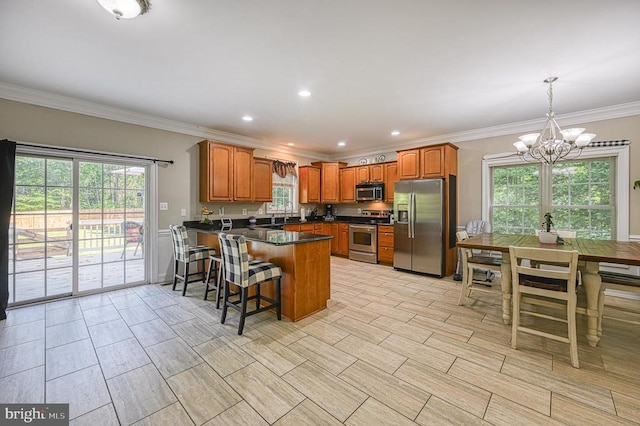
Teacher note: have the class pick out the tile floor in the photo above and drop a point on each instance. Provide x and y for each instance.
(393, 348)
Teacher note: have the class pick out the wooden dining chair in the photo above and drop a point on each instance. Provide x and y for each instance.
(470, 262)
(554, 289)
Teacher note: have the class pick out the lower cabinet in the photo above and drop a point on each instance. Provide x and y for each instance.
(292, 227)
(385, 244)
(343, 239)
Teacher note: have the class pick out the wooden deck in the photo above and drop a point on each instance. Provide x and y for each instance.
(46, 276)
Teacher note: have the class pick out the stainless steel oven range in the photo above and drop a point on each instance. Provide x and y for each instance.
(363, 237)
(363, 242)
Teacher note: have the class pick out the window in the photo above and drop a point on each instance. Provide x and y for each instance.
(285, 194)
(588, 194)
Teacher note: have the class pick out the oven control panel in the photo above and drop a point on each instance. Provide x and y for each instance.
(376, 213)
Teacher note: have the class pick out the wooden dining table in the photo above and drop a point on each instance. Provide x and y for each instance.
(590, 254)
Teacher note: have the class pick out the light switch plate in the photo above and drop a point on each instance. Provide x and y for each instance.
(164, 206)
(183, 212)
(244, 212)
(260, 211)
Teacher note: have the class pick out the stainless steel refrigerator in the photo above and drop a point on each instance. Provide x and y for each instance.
(419, 233)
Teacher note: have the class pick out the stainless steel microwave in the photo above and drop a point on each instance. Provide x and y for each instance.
(370, 191)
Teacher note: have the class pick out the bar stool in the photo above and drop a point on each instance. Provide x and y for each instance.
(241, 272)
(217, 272)
(185, 254)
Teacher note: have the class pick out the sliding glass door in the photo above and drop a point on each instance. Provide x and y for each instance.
(77, 226)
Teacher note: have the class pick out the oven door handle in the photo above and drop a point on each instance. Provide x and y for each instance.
(365, 227)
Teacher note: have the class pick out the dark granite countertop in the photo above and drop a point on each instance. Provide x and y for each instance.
(244, 223)
(269, 236)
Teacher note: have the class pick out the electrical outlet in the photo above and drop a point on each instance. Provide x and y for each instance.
(164, 206)
(183, 212)
(221, 210)
(260, 211)
(244, 212)
(359, 211)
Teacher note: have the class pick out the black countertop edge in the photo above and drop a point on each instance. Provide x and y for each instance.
(267, 236)
(244, 223)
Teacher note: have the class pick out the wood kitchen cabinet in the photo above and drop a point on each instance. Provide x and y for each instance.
(309, 184)
(362, 174)
(343, 239)
(242, 174)
(216, 172)
(334, 232)
(307, 227)
(390, 178)
(262, 179)
(330, 181)
(226, 172)
(348, 185)
(292, 227)
(435, 161)
(376, 172)
(318, 228)
(385, 244)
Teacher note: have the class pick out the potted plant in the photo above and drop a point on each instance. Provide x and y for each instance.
(636, 184)
(546, 235)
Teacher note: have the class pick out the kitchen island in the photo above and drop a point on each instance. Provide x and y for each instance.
(304, 259)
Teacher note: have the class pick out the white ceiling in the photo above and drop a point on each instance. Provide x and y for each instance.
(427, 68)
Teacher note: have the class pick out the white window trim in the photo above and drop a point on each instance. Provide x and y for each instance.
(622, 181)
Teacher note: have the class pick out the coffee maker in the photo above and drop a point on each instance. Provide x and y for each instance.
(328, 212)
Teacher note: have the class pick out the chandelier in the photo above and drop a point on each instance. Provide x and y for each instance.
(126, 9)
(547, 146)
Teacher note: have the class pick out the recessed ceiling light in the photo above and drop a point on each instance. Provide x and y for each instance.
(342, 143)
(291, 144)
(395, 133)
(304, 93)
(247, 118)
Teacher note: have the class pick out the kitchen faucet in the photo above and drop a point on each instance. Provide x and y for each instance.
(285, 211)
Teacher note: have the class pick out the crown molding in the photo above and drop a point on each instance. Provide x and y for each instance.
(65, 103)
(587, 116)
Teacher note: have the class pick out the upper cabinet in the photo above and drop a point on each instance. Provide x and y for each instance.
(243, 174)
(348, 184)
(390, 178)
(376, 172)
(362, 174)
(262, 179)
(216, 172)
(226, 172)
(309, 184)
(330, 181)
(433, 161)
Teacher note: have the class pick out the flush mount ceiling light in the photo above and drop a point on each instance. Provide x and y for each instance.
(247, 118)
(552, 143)
(304, 93)
(126, 9)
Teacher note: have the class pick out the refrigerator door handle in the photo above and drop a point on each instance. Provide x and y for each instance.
(412, 212)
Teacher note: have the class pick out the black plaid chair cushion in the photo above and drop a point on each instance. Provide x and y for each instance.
(237, 267)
